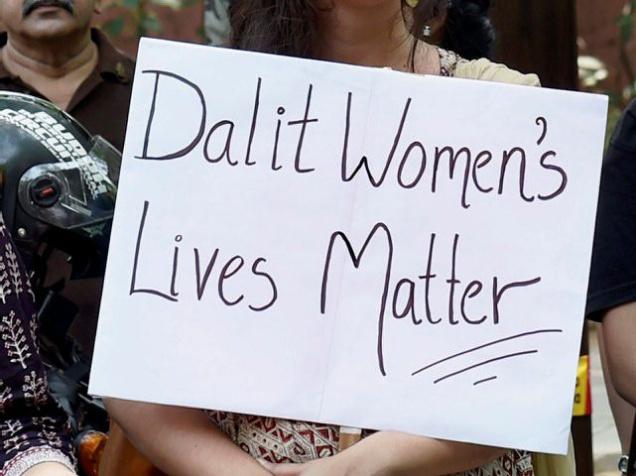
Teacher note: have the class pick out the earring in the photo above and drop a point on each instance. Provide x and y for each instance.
(412, 3)
(427, 31)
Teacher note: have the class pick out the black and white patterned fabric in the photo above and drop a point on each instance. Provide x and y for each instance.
(33, 429)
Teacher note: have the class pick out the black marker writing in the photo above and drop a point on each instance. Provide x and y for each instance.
(257, 102)
(219, 140)
(541, 122)
(270, 280)
(303, 127)
(467, 166)
(228, 142)
(464, 164)
(364, 161)
(486, 345)
(356, 258)
(404, 299)
(203, 272)
(486, 362)
(133, 281)
(199, 134)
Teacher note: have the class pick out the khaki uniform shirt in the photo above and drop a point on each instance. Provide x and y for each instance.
(101, 103)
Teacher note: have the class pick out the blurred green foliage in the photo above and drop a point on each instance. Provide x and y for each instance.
(141, 15)
(626, 21)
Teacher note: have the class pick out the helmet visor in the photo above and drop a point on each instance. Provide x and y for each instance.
(73, 194)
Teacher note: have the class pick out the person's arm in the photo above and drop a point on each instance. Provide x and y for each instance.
(619, 334)
(395, 454)
(49, 469)
(624, 413)
(414, 455)
(181, 441)
(34, 429)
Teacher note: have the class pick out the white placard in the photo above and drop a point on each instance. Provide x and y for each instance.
(259, 265)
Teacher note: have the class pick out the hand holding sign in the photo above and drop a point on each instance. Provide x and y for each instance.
(324, 236)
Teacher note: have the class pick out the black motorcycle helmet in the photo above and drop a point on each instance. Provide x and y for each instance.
(57, 193)
(57, 184)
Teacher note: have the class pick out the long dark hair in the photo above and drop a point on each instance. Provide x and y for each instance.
(289, 26)
(468, 30)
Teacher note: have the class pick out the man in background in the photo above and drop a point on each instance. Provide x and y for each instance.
(49, 50)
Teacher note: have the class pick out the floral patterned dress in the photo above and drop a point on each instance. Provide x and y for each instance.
(33, 428)
(286, 441)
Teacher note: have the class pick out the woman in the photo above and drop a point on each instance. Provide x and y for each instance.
(35, 438)
(381, 33)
